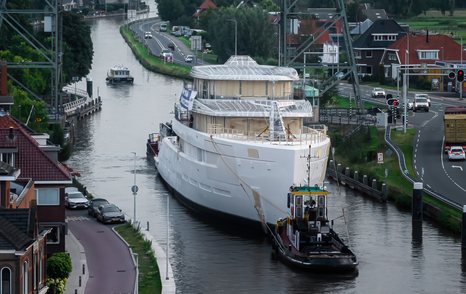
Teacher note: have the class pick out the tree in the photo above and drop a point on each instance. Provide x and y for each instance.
(255, 35)
(170, 10)
(77, 48)
(59, 265)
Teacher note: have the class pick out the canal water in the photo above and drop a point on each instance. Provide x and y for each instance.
(207, 258)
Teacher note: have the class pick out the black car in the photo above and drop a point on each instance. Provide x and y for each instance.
(110, 213)
(94, 205)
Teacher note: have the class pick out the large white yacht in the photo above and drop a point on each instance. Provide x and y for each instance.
(238, 141)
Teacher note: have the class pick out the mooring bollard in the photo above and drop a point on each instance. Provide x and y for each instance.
(384, 192)
(417, 202)
(374, 184)
(364, 179)
(356, 175)
(347, 171)
(339, 168)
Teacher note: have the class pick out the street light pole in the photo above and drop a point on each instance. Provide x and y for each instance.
(134, 188)
(236, 34)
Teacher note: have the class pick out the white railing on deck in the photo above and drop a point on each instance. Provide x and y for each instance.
(310, 135)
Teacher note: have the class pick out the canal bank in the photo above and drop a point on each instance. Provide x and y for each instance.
(207, 257)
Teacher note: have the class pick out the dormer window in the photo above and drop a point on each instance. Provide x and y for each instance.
(427, 54)
(384, 37)
(8, 155)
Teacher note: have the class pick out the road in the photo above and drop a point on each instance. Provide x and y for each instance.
(431, 165)
(161, 40)
(111, 268)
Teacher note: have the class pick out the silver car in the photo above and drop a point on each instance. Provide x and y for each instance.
(76, 199)
(456, 153)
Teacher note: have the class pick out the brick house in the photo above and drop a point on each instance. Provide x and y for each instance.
(425, 50)
(370, 47)
(22, 252)
(22, 151)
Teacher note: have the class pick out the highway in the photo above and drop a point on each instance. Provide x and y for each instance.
(161, 40)
(430, 163)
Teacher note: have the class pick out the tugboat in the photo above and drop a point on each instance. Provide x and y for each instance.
(306, 239)
(119, 74)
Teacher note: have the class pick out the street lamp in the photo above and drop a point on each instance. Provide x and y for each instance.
(236, 34)
(134, 188)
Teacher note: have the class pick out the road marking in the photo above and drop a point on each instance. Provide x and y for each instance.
(77, 218)
(457, 166)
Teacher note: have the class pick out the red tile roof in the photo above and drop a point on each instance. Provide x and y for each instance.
(207, 4)
(32, 161)
(449, 50)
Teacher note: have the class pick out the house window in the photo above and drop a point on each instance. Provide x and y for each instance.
(384, 37)
(357, 54)
(48, 196)
(369, 54)
(392, 56)
(5, 282)
(54, 236)
(25, 277)
(8, 158)
(369, 70)
(427, 54)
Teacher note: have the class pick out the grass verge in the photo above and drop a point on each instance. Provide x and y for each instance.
(360, 153)
(149, 275)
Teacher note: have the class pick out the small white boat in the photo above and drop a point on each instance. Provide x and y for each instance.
(119, 74)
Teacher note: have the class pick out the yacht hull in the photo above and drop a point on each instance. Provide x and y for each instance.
(236, 179)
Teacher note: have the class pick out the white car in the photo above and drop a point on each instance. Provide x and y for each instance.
(76, 199)
(456, 153)
(422, 96)
(189, 58)
(378, 92)
(147, 35)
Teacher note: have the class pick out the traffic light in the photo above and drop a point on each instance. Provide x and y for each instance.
(451, 75)
(460, 75)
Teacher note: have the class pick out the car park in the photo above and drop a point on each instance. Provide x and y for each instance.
(94, 205)
(456, 153)
(147, 35)
(378, 93)
(76, 199)
(189, 58)
(110, 213)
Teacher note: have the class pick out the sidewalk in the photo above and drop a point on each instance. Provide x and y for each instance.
(78, 259)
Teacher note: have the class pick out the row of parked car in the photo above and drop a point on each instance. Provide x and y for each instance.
(99, 208)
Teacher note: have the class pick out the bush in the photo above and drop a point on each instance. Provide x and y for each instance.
(59, 266)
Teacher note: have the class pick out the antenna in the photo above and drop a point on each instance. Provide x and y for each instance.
(308, 157)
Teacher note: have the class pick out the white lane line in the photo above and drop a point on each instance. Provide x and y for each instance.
(457, 166)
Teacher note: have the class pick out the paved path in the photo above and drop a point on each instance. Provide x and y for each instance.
(78, 259)
(109, 263)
